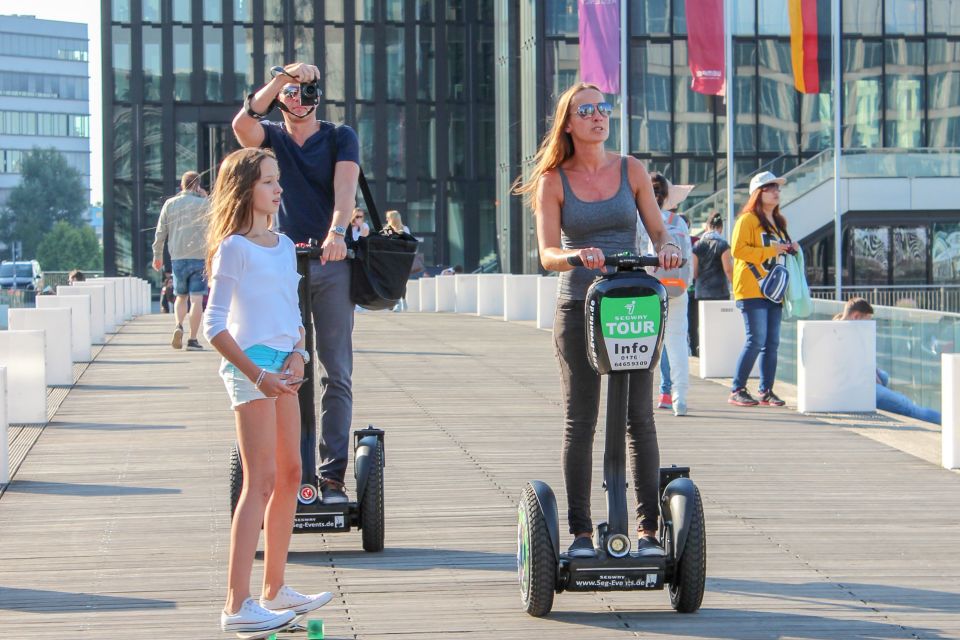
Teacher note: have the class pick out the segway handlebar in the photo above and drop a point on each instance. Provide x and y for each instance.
(625, 261)
(312, 249)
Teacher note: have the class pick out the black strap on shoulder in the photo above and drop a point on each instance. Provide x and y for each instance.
(364, 187)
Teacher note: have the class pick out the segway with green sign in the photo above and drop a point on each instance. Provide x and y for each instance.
(625, 317)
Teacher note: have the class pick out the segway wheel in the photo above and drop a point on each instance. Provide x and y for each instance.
(536, 563)
(236, 478)
(686, 591)
(371, 505)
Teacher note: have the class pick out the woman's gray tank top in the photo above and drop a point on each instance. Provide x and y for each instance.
(610, 225)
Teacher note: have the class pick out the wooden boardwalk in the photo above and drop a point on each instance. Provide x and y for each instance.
(116, 524)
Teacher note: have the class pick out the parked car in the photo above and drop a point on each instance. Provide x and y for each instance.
(24, 274)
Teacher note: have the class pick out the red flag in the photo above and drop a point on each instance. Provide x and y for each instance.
(705, 46)
(600, 43)
(810, 45)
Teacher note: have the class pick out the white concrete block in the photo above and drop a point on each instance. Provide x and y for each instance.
(113, 314)
(490, 294)
(446, 293)
(96, 293)
(122, 313)
(413, 295)
(21, 352)
(428, 294)
(81, 337)
(466, 286)
(58, 343)
(722, 336)
(520, 297)
(836, 365)
(950, 410)
(546, 302)
(4, 438)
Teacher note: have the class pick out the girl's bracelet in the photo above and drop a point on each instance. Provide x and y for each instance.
(670, 244)
(263, 372)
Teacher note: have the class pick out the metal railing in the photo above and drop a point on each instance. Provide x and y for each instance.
(944, 298)
(57, 278)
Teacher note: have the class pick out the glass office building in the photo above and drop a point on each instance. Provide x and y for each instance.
(413, 77)
(901, 89)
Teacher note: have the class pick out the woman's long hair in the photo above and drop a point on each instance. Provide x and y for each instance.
(754, 207)
(394, 221)
(557, 145)
(231, 210)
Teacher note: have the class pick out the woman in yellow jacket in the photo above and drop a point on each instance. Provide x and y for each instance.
(759, 237)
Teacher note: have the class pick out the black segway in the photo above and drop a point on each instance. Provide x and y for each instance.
(625, 317)
(366, 513)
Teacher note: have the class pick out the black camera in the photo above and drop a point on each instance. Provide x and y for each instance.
(310, 93)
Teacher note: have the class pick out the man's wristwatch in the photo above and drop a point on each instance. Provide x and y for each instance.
(340, 231)
(303, 354)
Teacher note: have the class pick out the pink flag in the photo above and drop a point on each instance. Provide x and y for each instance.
(600, 43)
(705, 45)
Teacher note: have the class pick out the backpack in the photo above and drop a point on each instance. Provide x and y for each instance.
(676, 281)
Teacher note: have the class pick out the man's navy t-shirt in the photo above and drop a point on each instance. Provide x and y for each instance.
(306, 175)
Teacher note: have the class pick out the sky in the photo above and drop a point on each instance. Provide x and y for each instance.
(76, 11)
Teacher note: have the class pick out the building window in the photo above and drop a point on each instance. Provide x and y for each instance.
(693, 132)
(862, 61)
(243, 11)
(182, 62)
(182, 11)
(395, 63)
(946, 253)
(366, 62)
(273, 46)
(213, 62)
(426, 61)
(121, 11)
(273, 11)
(561, 18)
(650, 99)
(903, 16)
(943, 16)
(862, 17)
(943, 85)
(186, 151)
(122, 64)
(910, 249)
(151, 10)
(904, 94)
(871, 255)
(333, 62)
(212, 11)
(333, 10)
(773, 18)
(152, 56)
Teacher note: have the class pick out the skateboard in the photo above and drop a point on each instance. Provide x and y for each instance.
(293, 625)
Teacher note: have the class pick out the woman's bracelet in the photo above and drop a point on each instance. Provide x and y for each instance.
(263, 372)
(672, 244)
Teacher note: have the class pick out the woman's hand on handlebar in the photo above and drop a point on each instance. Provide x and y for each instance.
(670, 257)
(592, 258)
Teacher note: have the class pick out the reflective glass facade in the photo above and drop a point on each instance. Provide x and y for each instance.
(901, 89)
(176, 72)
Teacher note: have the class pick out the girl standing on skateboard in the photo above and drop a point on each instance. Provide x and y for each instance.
(253, 320)
(586, 200)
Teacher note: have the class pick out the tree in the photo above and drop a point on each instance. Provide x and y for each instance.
(68, 247)
(50, 191)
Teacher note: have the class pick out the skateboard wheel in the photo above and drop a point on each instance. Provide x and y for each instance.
(315, 630)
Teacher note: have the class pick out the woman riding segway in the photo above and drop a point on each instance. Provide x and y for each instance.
(585, 200)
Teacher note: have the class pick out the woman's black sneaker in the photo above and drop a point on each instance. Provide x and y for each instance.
(582, 548)
(769, 398)
(742, 398)
(648, 546)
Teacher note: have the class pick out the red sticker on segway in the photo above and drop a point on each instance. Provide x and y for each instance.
(307, 493)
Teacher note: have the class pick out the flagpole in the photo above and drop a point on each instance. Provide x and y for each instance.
(728, 90)
(837, 150)
(624, 111)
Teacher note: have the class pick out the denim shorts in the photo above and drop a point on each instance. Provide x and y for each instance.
(188, 277)
(239, 387)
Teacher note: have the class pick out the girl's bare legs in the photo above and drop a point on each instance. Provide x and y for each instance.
(257, 435)
(282, 507)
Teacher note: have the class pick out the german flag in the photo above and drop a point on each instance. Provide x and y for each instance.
(810, 45)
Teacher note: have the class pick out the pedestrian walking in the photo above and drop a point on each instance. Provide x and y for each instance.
(183, 226)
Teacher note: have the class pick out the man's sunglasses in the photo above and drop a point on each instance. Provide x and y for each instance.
(290, 92)
(588, 109)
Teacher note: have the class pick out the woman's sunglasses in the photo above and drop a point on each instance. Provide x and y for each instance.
(588, 109)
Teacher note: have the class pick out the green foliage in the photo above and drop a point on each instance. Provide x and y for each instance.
(69, 247)
(50, 191)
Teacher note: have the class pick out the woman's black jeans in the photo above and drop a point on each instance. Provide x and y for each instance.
(581, 403)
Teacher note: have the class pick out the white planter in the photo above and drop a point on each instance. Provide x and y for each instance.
(58, 350)
(950, 424)
(466, 287)
(490, 294)
(520, 297)
(413, 295)
(446, 293)
(546, 302)
(836, 365)
(428, 294)
(21, 352)
(81, 336)
(722, 336)
(96, 293)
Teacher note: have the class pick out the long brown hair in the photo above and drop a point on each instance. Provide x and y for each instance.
(753, 206)
(231, 209)
(557, 145)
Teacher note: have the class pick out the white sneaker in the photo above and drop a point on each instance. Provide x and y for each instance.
(252, 618)
(289, 600)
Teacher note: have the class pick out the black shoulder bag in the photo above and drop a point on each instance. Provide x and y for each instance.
(382, 262)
